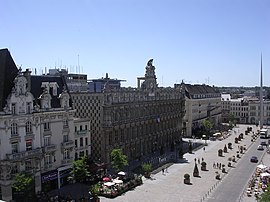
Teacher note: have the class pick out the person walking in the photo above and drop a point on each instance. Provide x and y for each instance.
(162, 171)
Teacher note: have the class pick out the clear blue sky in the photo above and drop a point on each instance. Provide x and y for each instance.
(217, 42)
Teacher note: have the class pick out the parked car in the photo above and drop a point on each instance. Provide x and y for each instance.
(260, 147)
(263, 143)
(254, 159)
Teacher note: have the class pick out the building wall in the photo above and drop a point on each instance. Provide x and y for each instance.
(33, 154)
(90, 106)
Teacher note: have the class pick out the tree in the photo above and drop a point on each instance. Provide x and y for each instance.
(119, 160)
(265, 197)
(80, 171)
(208, 125)
(23, 186)
(232, 120)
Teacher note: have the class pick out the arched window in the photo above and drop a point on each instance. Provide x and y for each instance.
(14, 129)
(28, 127)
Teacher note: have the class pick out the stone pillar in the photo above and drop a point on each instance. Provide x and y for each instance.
(37, 182)
(6, 191)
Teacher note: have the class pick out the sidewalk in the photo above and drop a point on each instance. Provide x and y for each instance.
(170, 185)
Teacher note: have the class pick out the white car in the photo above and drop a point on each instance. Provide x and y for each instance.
(260, 147)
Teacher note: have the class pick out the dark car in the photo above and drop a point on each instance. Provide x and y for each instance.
(254, 159)
(263, 144)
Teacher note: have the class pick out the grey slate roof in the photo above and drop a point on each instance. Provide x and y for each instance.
(8, 72)
(36, 90)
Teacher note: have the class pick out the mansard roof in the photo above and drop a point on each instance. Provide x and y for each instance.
(37, 89)
(201, 89)
(8, 72)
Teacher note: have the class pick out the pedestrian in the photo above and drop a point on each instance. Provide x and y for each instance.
(204, 149)
(199, 161)
(214, 165)
(167, 169)
(162, 171)
(202, 159)
(217, 166)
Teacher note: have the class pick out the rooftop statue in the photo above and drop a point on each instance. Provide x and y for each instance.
(150, 62)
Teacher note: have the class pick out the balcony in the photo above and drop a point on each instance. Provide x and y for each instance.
(67, 161)
(67, 145)
(25, 154)
(82, 132)
(49, 148)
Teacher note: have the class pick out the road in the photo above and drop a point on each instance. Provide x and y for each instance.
(237, 179)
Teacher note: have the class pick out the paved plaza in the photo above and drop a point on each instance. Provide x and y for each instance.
(170, 185)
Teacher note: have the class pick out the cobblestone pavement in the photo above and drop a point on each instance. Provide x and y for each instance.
(170, 185)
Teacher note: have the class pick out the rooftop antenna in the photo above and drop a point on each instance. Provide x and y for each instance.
(79, 63)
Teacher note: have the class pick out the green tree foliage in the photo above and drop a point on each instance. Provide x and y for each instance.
(147, 167)
(80, 171)
(119, 160)
(23, 182)
(208, 125)
(265, 197)
(232, 119)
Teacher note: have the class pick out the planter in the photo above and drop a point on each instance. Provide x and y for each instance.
(147, 174)
(187, 181)
(220, 152)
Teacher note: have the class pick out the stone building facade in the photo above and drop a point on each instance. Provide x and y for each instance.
(202, 102)
(138, 120)
(36, 130)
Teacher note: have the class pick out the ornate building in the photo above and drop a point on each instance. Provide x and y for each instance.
(138, 120)
(36, 130)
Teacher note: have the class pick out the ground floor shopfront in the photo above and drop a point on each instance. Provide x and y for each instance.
(45, 181)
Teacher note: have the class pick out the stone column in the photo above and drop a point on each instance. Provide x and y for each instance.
(6, 191)
(37, 182)
(6, 185)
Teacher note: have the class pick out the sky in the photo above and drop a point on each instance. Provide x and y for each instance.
(214, 42)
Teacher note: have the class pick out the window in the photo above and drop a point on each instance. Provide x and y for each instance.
(28, 107)
(15, 169)
(80, 128)
(65, 123)
(28, 145)
(14, 129)
(48, 159)
(75, 128)
(66, 154)
(65, 138)
(76, 143)
(13, 108)
(47, 140)
(28, 127)
(85, 127)
(81, 142)
(14, 147)
(28, 165)
(81, 154)
(86, 141)
(46, 126)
